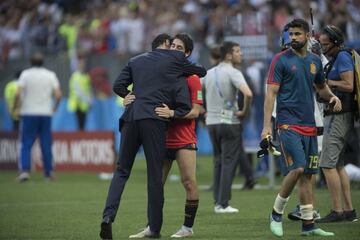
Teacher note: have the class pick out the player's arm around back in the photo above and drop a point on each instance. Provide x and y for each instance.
(190, 68)
(195, 91)
(165, 112)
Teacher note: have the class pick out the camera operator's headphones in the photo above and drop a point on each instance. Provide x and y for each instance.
(334, 34)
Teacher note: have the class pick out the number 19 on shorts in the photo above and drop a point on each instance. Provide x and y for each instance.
(313, 162)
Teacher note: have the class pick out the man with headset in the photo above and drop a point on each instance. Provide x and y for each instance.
(339, 73)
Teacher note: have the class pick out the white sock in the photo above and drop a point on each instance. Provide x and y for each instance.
(307, 212)
(280, 203)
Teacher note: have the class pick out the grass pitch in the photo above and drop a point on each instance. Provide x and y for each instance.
(71, 208)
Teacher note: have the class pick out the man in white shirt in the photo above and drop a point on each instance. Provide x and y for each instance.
(38, 87)
(223, 121)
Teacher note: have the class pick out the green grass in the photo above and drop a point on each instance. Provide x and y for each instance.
(71, 208)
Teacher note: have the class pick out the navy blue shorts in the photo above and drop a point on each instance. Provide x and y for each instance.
(171, 152)
(298, 151)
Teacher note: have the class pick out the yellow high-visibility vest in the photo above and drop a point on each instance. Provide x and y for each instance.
(10, 94)
(79, 92)
(69, 32)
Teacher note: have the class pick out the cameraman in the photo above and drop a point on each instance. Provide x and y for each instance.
(339, 73)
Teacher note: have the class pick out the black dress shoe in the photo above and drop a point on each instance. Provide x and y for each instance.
(249, 185)
(106, 232)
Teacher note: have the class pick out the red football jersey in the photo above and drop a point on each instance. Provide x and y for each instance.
(181, 132)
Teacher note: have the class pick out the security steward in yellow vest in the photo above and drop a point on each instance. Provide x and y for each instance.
(80, 95)
(10, 94)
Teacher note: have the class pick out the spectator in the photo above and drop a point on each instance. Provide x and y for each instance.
(80, 96)
(37, 88)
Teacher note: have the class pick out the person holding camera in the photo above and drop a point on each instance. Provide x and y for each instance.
(339, 74)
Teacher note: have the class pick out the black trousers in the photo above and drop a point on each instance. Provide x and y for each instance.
(226, 140)
(151, 134)
(81, 118)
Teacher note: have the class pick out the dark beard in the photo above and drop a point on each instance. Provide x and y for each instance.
(298, 45)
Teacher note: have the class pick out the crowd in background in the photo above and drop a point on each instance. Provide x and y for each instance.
(128, 26)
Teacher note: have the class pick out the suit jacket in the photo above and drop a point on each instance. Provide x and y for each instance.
(158, 77)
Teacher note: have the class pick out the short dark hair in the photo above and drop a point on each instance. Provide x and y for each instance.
(215, 53)
(299, 23)
(160, 39)
(187, 40)
(37, 60)
(227, 47)
(335, 34)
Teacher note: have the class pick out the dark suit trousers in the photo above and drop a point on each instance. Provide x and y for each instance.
(151, 134)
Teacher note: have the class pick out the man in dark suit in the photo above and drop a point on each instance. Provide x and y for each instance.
(157, 78)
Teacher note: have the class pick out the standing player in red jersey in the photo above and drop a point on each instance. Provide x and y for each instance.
(181, 143)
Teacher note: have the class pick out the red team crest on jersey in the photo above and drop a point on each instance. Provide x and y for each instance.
(313, 68)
